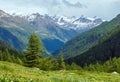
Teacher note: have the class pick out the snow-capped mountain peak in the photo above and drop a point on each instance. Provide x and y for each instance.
(77, 23)
(74, 23)
(32, 16)
(3, 14)
(64, 18)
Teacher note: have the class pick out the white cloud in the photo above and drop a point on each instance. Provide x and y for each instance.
(105, 9)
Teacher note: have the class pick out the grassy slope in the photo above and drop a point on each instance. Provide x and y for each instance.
(10, 72)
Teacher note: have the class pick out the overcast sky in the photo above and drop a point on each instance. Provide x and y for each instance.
(105, 9)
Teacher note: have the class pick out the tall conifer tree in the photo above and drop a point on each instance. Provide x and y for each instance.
(61, 61)
(34, 51)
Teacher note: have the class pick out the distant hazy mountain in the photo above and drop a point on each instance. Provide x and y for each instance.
(49, 29)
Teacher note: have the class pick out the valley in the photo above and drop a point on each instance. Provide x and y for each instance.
(60, 41)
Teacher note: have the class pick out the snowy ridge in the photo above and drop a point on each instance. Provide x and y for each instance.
(73, 22)
(77, 23)
(3, 14)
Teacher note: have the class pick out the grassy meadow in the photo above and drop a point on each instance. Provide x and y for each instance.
(10, 72)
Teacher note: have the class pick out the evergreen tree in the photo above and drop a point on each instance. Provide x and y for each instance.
(6, 56)
(1, 56)
(98, 67)
(51, 63)
(61, 61)
(48, 63)
(19, 61)
(74, 66)
(13, 58)
(91, 67)
(34, 51)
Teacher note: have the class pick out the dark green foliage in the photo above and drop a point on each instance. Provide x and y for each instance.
(109, 66)
(85, 41)
(7, 53)
(73, 66)
(4, 46)
(34, 51)
(53, 63)
(96, 67)
(19, 61)
(6, 56)
(48, 63)
(112, 65)
(13, 59)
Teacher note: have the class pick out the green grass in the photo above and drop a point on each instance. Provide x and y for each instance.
(10, 72)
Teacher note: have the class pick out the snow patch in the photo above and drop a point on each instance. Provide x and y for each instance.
(31, 17)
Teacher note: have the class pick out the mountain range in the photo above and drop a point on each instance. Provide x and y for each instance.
(53, 30)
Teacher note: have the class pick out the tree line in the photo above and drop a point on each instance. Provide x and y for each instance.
(6, 56)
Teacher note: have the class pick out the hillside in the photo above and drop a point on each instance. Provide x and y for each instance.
(87, 40)
(11, 39)
(4, 46)
(105, 49)
(16, 73)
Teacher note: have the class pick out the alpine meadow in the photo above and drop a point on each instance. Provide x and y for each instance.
(59, 41)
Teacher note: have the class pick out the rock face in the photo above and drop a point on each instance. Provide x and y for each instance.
(115, 72)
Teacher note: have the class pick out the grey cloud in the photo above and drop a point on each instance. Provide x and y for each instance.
(38, 3)
(48, 3)
(77, 4)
